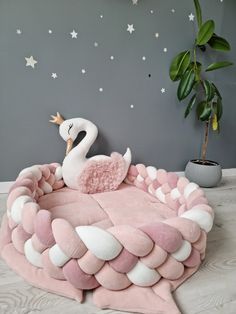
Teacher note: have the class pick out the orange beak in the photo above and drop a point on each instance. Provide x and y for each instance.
(69, 146)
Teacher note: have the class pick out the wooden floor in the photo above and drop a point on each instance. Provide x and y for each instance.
(212, 290)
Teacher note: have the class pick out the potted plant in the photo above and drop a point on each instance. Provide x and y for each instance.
(204, 95)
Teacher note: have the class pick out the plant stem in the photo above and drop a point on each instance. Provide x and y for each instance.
(197, 75)
(195, 56)
(205, 142)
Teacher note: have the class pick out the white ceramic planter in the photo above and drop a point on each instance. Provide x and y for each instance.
(205, 175)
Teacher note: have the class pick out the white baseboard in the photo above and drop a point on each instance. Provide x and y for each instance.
(5, 186)
(229, 172)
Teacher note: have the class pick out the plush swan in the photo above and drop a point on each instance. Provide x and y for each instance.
(89, 175)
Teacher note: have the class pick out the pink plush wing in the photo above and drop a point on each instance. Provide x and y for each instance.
(103, 175)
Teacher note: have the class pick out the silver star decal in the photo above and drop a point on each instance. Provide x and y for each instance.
(74, 34)
(191, 17)
(30, 61)
(130, 28)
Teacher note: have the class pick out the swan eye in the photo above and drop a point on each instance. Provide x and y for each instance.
(70, 126)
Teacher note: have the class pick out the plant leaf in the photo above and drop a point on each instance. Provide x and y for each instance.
(209, 90)
(203, 111)
(190, 105)
(197, 69)
(200, 107)
(179, 65)
(205, 115)
(218, 65)
(219, 109)
(198, 12)
(217, 91)
(205, 32)
(219, 43)
(186, 84)
(214, 122)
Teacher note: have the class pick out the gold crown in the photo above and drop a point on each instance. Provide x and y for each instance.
(58, 119)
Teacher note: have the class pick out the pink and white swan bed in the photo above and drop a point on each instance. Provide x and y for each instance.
(133, 234)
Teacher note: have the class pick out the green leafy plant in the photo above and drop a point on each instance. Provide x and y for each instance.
(190, 73)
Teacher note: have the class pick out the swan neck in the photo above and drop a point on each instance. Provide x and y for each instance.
(91, 134)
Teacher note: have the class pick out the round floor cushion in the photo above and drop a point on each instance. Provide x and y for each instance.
(140, 241)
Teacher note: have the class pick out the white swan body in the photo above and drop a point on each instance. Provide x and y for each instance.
(76, 164)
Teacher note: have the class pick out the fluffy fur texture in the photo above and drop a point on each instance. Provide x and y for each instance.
(102, 175)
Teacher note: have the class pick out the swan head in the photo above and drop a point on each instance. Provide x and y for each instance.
(68, 129)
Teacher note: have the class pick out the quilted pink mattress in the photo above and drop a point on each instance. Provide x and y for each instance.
(132, 246)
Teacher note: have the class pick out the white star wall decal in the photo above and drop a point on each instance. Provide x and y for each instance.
(74, 34)
(191, 17)
(130, 28)
(30, 61)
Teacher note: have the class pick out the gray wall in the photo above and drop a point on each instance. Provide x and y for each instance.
(154, 129)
